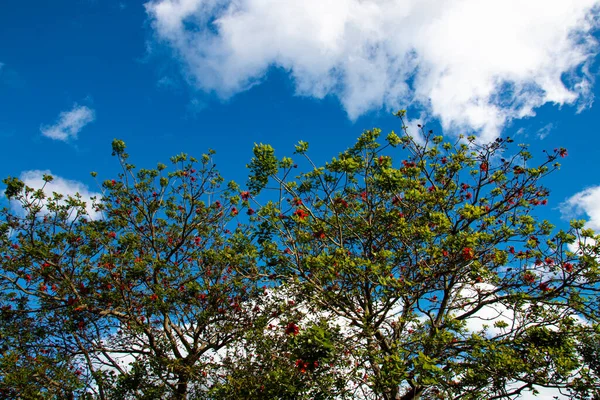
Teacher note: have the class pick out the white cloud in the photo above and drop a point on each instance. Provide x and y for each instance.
(544, 131)
(66, 187)
(586, 202)
(69, 123)
(474, 64)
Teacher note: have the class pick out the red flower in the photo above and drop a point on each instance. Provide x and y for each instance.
(445, 253)
(217, 204)
(529, 277)
(468, 253)
(319, 235)
(341, 202)
(301, 214)
(245, 195)
(468, 195)
(250, 211)
(561, 152)
(112, 235)
(301, 365)
(292, 329)
(234, 211)
(444, 160)
(154, 297)
(465, 186)
(568, 267)
(484, 166)
(296, 201)
(544, 287)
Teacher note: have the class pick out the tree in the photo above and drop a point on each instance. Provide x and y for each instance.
(409, 270)
(135, 304)
(407, 254)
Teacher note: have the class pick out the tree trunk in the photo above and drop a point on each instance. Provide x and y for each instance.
(182, 387)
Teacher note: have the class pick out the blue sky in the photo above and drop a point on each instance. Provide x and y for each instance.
(171, 76)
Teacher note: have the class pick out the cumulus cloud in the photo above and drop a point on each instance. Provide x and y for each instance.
(473, 64)
(585, 203)
(69, 123)
(66, 187)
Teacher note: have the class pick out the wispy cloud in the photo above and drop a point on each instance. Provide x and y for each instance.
(69, 123)
(474, 64)
(584, 204)
(66, 187)
(544, 131)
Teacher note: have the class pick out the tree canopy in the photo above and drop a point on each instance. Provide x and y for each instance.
(400, 269)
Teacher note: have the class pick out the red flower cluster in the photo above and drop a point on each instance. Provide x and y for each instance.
(301, 214)
(303, 365)
(340, 202)
(568, 267)
(319, 235)
(561, 152)
(468, 253)
(544, 287)
(292, 329)
(245, 195)
(529, 277)
(296, 202)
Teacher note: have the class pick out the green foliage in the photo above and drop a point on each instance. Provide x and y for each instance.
(361, 278)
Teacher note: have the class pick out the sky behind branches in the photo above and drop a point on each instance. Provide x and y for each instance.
(171, 76)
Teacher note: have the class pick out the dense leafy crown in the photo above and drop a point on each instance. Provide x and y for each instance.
(398, 270)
